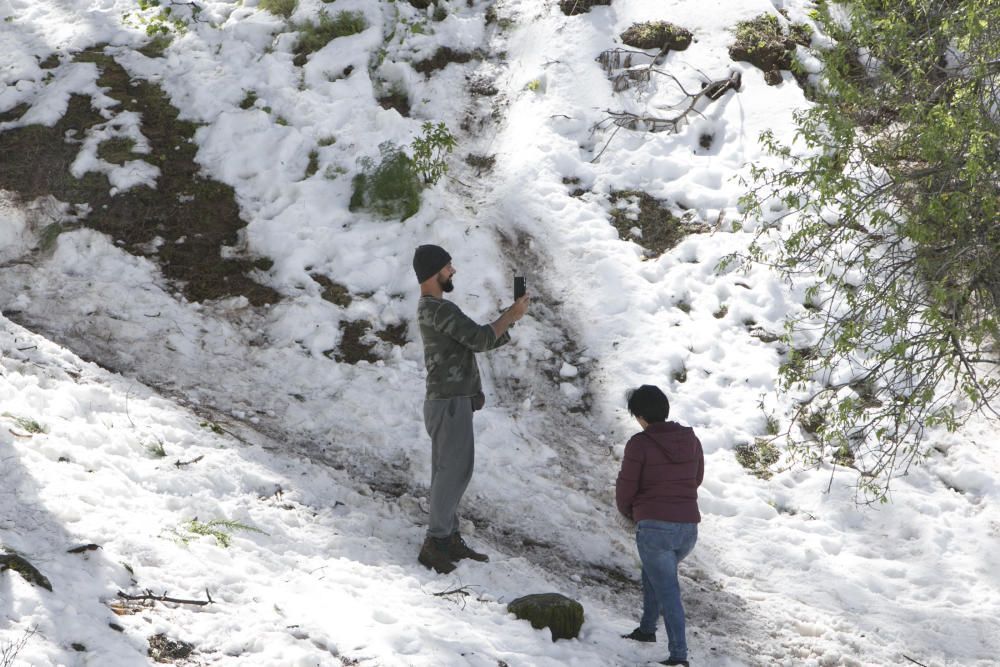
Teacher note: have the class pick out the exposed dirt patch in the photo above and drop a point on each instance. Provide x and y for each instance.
(13, 113)
(360, 343)
(659, 229)
(396, 99)
(573, 7)
(333, 292)
(162, 649)
(443, 57)
(482, 163)
(394, 334)
(482, 86)
(183, 224)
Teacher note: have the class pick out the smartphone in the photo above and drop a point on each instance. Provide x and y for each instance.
(519, 287)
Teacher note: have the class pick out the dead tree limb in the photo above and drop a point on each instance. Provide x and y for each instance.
(710, 90)
(149, 596)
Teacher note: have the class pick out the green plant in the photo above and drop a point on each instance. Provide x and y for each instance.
(249, 100)
(758, 458)
(314, 36)
(117, 150)
(771, 425)
(160, 20)
(893, 205)
(156, 449)
(391, 188)
(313, 165)
(333, 171)
(49, 235)
(680, 375)
(221, 529)
(213, 427)
(26, 424)
(429, 151)
(283, 8)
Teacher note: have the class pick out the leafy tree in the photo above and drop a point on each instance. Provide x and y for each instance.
(892, 221)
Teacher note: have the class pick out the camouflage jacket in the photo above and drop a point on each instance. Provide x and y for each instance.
(451, 340)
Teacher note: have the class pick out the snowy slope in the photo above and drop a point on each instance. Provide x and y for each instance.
(787, 571)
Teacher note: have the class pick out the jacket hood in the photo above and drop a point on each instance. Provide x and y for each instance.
(679, 443)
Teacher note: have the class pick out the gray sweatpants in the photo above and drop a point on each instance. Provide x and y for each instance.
(453, 456)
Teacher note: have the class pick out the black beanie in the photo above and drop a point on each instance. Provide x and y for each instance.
(428, 260)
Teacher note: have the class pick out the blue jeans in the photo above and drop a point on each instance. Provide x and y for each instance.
(662, 545)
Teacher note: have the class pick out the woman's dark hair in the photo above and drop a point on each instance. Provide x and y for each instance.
(649, 403)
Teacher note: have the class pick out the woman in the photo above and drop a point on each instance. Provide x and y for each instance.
(657, 488)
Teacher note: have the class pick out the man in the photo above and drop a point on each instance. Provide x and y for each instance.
(454, 390)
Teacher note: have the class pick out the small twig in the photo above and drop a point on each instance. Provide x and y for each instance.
(914, 661)
(608, 143)
(461, 590)
(459, 181)
(126, 407)
(181, 464)
(149, 596)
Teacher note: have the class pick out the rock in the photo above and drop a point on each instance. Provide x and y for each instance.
(560, 614)
(660, 35)
(25, 569)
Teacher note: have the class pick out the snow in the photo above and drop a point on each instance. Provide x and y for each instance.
(324, 465)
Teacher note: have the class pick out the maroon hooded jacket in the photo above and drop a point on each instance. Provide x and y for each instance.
(661, 471)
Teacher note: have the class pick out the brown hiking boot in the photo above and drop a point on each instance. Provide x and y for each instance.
(434, 554)
(458, 549)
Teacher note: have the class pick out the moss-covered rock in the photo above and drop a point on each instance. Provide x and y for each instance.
(21, 565)
(660, 35)
(763, 43)
(560, 614)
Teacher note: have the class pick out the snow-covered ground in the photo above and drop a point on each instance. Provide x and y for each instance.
(226, 412)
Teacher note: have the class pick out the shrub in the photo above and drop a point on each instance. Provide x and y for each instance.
(391, 188)
(889, 214)
(429, 151)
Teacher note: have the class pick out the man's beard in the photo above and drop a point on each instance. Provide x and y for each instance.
(447, 286)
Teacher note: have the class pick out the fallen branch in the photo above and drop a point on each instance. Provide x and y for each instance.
(149, 596)
(914, 661)
(711, 90)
